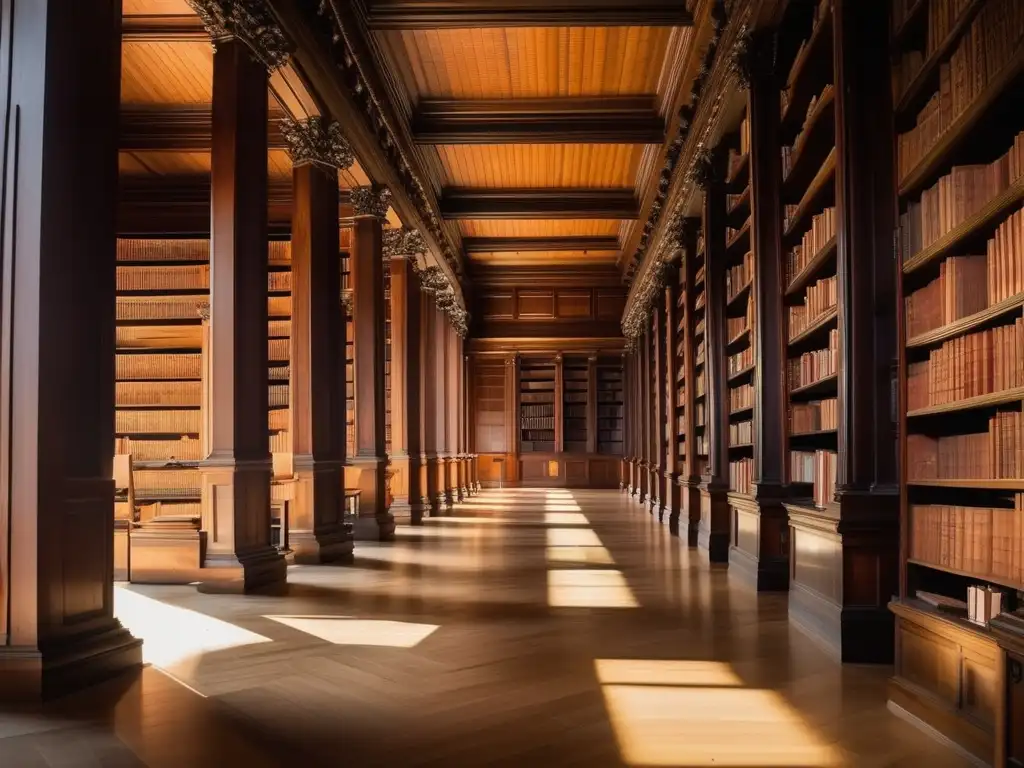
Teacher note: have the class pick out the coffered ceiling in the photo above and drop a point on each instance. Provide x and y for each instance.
(541, 123)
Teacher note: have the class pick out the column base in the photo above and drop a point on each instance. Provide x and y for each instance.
(845, 609)
(759, 551)
(673, 502)
(331, 545)
(238, 557)
(166, 550)
(375, 521)
(689, 518)
(713, 530)
(31, 675)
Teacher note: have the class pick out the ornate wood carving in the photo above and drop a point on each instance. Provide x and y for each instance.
(317, 141)
(370, 201)
(249, 21)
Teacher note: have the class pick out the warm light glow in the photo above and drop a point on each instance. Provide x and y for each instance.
(589, 589)
(344, 630)
(561, 506)
(572, 537)
(580, 555)
(699, 726)
(665, 672)
(176, 638)
(404, 555)
(565, 518)
(438, 532)
(453, 520)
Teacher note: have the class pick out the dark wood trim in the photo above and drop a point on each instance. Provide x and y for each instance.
(163, 29)
(178, 129)
(610, 120)
(459, 203)
(463, 14)
(597, 276)
(516, 244)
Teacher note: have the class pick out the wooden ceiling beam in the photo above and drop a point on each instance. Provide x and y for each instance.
(538, 204)
(163, 29)
(607, 120)
(521, 244)
(178, 129)
(463, 14)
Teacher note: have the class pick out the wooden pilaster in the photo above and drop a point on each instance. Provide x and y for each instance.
(60, 87)
(236, 473)
(316, 528)
(444, 498)
(512, 416)
(769, 569)
(714, 522)
(430, 389)
(644, 413)
(465, 482)
(559, 396)
(375, 519)
(406, 378)
(592, 406)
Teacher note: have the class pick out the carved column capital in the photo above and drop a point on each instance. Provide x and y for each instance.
(753, 55)
(403, 242)
(203, 310)
(249, 21)
(703, 173)
(347, 300)
(371, 201)
(317, 141)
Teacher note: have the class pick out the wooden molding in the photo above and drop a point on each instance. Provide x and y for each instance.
(163, 29)
(514, 244)
(526, 345)
(611, 120)
(178, 129)
(538, 203)
(462, 14)
(583, 276)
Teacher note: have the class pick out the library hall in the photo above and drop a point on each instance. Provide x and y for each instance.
(513, 383)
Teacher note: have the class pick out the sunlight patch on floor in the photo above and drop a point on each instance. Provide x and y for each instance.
(580, 555)
(565, 518)
(572, 537)
(344, 630)
(669, 713)
(176, 638)
(576, 588)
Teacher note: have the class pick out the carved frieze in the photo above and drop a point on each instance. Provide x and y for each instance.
(353, 72)
(317, 141)
(250, 21)
(370, 201)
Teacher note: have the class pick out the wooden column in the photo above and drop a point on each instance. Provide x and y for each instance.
(60, 86)
(512, 416)
(644, 413)
(454, 411)
(370, 205)
(444, 497)
(236, 473)
(690, 480)
(658, 414)
(316, 528)
(670, 470)
(769, 570)
(863, 526)
(465, 484)
(636, 416)
(406, 404)
(430, 389)
(559, 385)
(714, 523)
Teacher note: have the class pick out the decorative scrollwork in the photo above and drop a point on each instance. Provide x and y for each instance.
(249, 21)
(317, 141)
(753, 53)
(434, 282)
(203, 310)
(370, 201)
(403, 241)
(347, 300)
(702, 172)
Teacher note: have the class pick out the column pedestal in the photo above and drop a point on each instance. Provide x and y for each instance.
(713, 530)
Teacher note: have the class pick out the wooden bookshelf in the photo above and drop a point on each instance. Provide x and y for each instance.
(809, 225)
(537, 406)
(961, 189)
(610, 407)
(575, 404)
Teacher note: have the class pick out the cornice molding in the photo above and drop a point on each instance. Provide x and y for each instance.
(718, 78)
(318, 142)
(249, 21)
(434, 282)
(354, 70)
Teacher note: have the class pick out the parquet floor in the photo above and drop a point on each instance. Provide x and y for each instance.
(529, 628)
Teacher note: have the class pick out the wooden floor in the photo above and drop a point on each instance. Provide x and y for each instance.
(529, 628)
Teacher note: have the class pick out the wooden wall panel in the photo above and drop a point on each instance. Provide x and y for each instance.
(489, 406)
(535, 305)
(497, 306)
(609, 303)
(573, 304)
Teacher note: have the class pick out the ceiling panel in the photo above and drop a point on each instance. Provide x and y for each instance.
(155, 8)
(167, 163)
(538, 227)
(166, 73)
(528, 62)
(531, 258)
(495, 166)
